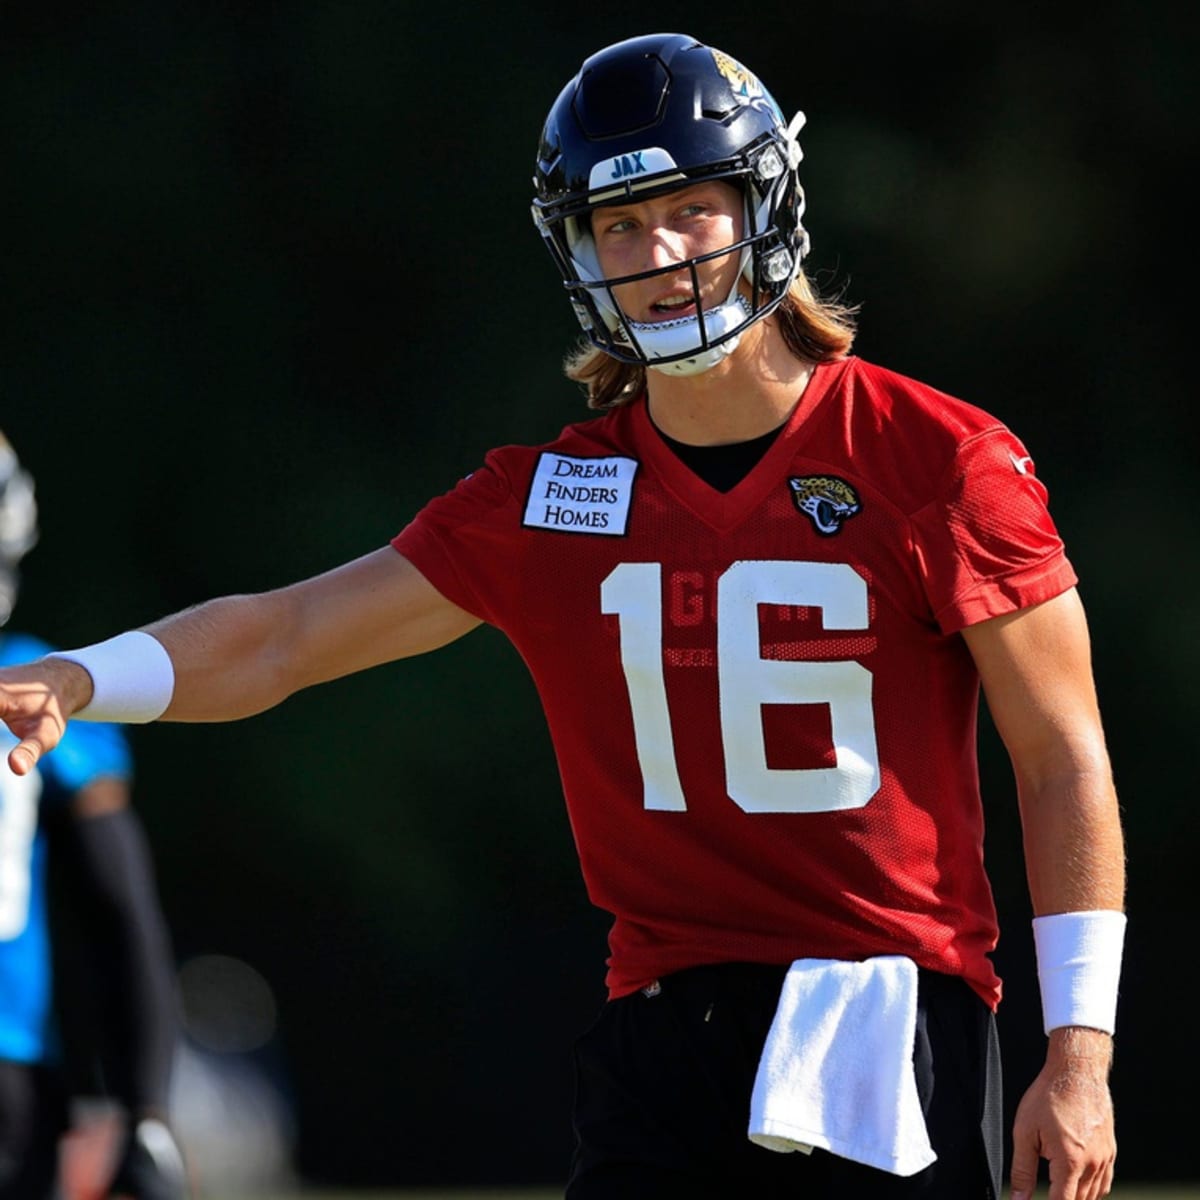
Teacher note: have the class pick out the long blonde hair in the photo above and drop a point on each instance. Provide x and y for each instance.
(815, 328)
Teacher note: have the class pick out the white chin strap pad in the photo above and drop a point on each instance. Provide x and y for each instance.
(698, 362)
(665, 339)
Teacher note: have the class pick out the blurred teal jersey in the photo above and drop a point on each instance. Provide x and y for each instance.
(86, 753)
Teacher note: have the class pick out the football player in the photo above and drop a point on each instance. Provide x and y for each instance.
(73, 813)
(759, 591)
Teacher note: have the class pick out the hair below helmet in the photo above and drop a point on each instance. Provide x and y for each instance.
(18, 524)
(650, 115)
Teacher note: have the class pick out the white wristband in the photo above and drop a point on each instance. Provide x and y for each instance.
(1079, 967)
(132, 678)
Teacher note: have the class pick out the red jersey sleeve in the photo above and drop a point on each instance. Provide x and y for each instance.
(987, 543)
(461, 519)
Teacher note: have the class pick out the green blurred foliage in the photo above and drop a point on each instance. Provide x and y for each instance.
(271, 282)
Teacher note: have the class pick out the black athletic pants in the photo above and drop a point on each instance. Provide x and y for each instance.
(33, 1114)
(663, 1085)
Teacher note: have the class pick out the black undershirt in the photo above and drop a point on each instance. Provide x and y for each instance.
(722, 467)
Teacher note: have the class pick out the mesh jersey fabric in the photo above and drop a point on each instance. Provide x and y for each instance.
(764, 723)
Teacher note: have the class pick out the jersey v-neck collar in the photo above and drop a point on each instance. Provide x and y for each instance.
(723, 466)
(724, 510)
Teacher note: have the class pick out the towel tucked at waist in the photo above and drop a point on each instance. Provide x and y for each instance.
(836, 1070)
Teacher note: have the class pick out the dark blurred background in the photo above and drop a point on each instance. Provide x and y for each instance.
(271, 282)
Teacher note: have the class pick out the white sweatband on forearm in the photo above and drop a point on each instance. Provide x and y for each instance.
(1079, 967)
(133, 678)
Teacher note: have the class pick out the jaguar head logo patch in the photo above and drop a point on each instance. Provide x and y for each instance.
(826, 500)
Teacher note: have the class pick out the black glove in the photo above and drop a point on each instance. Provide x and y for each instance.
(151, 1166)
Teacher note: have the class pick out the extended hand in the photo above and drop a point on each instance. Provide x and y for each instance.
(35, 702)
(1066, 1117)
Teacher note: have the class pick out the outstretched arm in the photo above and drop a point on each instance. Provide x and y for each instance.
(1036, 671)
(239, 655)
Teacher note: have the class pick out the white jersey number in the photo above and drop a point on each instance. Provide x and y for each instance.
(19, 796)
(747, 681)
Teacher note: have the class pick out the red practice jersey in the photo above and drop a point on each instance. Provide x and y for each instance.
(764, 717)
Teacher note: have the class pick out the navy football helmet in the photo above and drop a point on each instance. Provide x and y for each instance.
(18, 524)
(646, 116)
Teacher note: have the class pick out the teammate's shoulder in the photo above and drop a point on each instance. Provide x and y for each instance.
(17, 647)
(89, 750)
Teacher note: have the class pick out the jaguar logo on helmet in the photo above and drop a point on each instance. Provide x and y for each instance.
(745, 83)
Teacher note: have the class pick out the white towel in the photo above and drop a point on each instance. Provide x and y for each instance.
(836, 1069)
